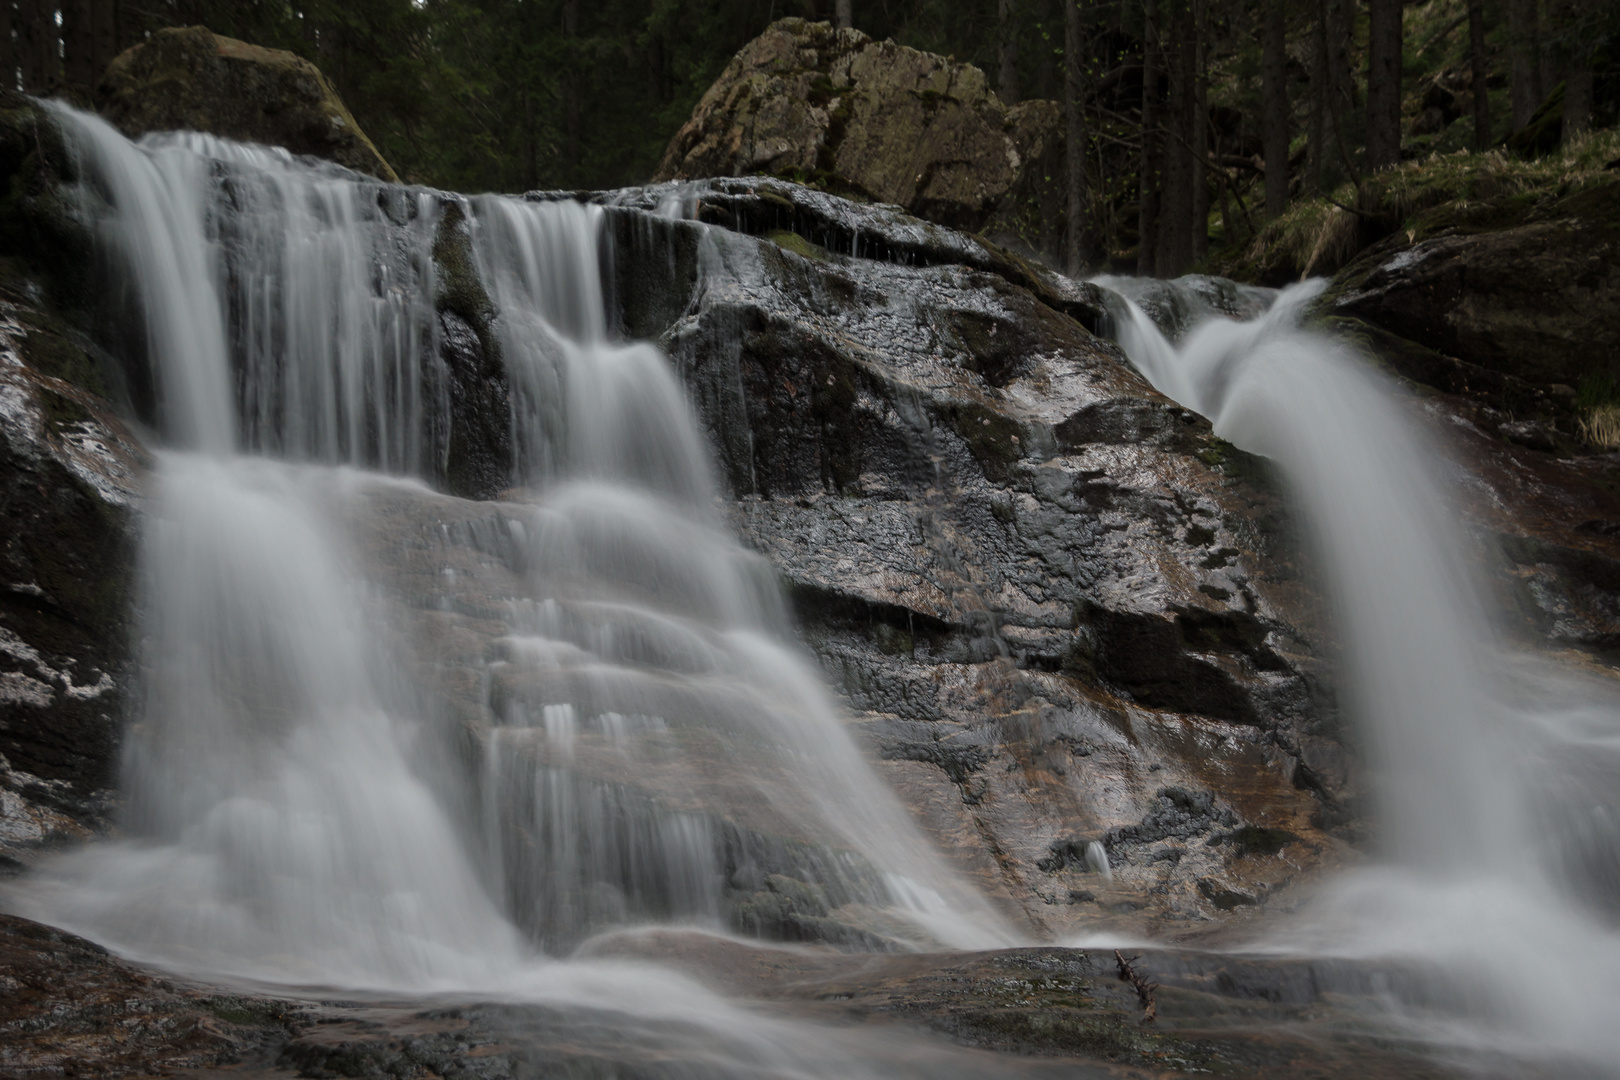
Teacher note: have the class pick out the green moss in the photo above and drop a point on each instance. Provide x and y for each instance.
(1464, 191)
(893, 640)
(460, 290)
(1597, 390)
(792, 241)
(48, 350)
(995, 439)
(1254, 840)
(247, 1012)
(823, 90)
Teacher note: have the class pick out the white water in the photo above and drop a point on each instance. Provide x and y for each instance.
(1495, 775)
(294, 814)
(292, 786)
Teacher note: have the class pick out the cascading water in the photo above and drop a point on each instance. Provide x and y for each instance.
(394, 739)
(1492, 784)
(301, 806)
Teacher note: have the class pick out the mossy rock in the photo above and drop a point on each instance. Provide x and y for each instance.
(192, 79)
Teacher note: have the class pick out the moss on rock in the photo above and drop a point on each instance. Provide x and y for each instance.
(865, 118)
(192, 79)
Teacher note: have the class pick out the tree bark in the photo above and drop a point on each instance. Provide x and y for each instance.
(1007, 50)
(1524, 49)
(1340, 106)
(8, 47)
(1574, 39)
(1147, 200)
(1274, 90)
(36, 38)
(570, 90)
(78, 64)
(1176, 198)
(842, 14)
(103, 36)
(1074, 123)
(1316, 104)
(1198, 128)
(1482, 101)
(1383, 83)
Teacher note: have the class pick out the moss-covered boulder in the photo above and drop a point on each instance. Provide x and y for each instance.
(195, 80)
(1529, 288)
(876, 120)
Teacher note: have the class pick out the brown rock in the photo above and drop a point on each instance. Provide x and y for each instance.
(195, 80)
(876, 119)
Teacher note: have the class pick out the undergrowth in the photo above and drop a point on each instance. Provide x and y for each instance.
(1597, 403)
(1320, 235)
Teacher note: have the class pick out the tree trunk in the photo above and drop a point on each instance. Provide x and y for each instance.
(1198, 128)
(1176, 201)
(36, 38)
(1575, 39)
(78, 65)
(1340, 87)
(842, 14)
(1007, 52)
(1482, 101)
(8, 47)
(1316, 102)
(570, 92)
(1524, 37)
(1075, 172)
(1383, 83)
(103, 36)
(1147, 201)
(1274, 90)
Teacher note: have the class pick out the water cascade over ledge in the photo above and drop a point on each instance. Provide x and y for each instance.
(1496, 844)
(301, 806)
(439, 684)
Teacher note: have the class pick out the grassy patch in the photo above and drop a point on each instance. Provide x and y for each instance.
(1479, 190)
(1597, 405)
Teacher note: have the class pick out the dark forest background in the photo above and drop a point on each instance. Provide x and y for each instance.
(1185, 108)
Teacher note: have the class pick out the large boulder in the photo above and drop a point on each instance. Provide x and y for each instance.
(192, 79)
(1530, 290)
(876, 120)
(1061, 610)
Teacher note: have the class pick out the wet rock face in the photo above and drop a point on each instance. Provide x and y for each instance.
(1538, 300)
(1048, 593)
(191, 79)
(69, 482)
(70, 478)
(71, 1009)
(879, 120)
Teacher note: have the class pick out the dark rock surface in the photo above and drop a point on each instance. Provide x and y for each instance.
(70, 481)
(191, 79)
(1527, 291)
(880, 121)
(1048, 592)
(71, 1009)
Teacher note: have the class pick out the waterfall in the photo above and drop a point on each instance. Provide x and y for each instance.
(1498, 848)
(315, 794)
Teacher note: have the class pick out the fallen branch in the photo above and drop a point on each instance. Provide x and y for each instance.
(1144, 987)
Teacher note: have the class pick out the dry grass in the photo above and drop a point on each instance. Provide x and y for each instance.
(1600, 426)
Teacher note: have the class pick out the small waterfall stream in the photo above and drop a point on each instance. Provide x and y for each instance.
(1494, 773)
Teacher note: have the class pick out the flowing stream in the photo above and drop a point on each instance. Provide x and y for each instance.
(1495, 774)
(401, 741)
(640, 735)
